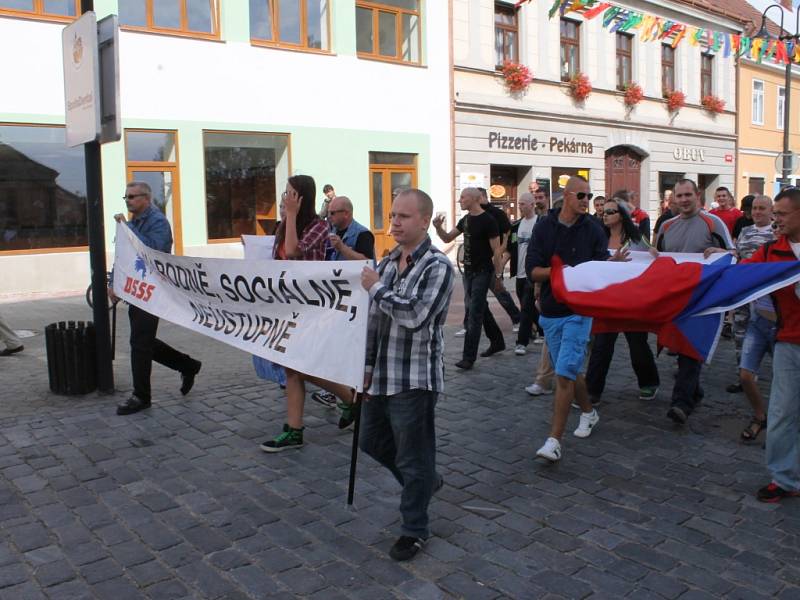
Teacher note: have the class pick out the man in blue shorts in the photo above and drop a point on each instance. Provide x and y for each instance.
(575, 237)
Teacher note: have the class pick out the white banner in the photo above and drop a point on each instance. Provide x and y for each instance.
(308, 316)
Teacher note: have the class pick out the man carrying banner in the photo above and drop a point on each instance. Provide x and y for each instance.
(151, 226)
(695, 231)
(783, 413)
(410, 294)
(574, 237)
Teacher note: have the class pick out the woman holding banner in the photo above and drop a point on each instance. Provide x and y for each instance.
(302, 235)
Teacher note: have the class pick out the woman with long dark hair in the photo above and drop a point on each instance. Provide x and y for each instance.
(302, 235)
(622, 232)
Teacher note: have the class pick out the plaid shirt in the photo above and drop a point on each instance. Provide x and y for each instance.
(405, 345)
(313, 243)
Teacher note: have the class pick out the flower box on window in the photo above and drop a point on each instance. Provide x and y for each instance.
(633, 94)
(713, 104)
(517, 76)
(580, 87)
(676, 100)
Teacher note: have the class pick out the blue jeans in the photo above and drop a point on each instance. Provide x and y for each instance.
(476, 286)
(398, 431)
(567, 339)
(783, 417)
(759, 338)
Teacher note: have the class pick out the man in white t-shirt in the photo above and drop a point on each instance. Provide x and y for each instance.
(521, 233)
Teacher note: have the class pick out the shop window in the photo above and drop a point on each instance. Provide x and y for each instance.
(297, 24)
(389, 172)
(42, 190)
(570, 49)
(152, 157)
(780, 108)
(706, 75)
(56, 10)
(243, 174)
(506, 34)
(388, 30)
(624, 60)
(757, 117)
(667, 69)
(195, 18)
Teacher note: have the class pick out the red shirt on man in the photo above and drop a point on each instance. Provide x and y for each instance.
(729, 216)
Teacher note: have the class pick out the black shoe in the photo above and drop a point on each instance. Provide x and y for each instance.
(132, 405)
(10, 351)
(677, 414)
(187, 379)
(348, 414)
(465, 364)
(734, 388)
(406, 548)
(439, 483)
(492, 349)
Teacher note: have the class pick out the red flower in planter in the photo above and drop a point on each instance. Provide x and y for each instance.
(676, 100)
(633, 94)
(517, 76)
(713, 104)
(580, 87)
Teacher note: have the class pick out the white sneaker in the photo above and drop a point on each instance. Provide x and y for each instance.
(520, 350)
(515, 328)
(460, 333)
(535, 389)
(551, 450)
(539, 340)
(586, 424)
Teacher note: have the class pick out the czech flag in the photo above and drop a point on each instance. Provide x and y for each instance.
(682, 298)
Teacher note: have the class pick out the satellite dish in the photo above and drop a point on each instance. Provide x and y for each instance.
(788, 159)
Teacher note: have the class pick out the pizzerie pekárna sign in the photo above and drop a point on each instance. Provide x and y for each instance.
(300, 314)
(527, 143)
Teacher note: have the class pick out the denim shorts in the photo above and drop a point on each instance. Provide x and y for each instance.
(567, 339)
(759, 339)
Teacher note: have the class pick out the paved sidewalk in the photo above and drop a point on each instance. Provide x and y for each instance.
(179, 502)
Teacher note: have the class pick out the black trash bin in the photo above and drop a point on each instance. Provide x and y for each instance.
(71, 363)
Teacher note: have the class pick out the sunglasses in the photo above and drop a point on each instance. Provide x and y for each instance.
(132, 196)
(334, 212)
(582, 195)
(610, 211)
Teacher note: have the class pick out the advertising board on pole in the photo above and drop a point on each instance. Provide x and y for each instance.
(81, 80)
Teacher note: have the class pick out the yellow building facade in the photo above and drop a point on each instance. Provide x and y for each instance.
(761, 95)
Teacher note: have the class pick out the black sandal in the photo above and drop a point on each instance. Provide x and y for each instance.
(753, 429)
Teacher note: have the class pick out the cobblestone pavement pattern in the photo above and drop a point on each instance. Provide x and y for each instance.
(179, 502)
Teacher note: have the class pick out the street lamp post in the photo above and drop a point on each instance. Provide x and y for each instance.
(784, 36)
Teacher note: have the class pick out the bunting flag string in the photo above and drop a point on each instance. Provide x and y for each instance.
(652, 28)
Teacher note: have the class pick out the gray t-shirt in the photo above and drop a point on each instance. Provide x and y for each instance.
(694, 234)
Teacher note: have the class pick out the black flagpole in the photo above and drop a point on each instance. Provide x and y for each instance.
(351, 487)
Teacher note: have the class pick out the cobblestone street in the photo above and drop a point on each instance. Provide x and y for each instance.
(179, 502)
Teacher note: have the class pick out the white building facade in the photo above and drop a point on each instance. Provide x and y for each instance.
(508, 140)
(221, 101)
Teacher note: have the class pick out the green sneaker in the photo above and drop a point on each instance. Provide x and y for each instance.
(648, 392)
(348, 414)
(290, 438)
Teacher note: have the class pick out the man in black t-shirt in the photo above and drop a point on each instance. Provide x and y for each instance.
(482, 259)
(504, 227)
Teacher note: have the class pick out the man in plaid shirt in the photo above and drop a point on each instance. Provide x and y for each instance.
(410, 294)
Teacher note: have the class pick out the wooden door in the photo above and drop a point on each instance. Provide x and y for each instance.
(503, 189)
(623, 171)
(383, 179)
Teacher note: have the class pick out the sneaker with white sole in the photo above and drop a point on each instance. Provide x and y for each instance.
(648, 392)
(539, 340)
(520, 350)
(535, 389)
(515, 328)
(460, 333)
(586, 424)
(551, 450)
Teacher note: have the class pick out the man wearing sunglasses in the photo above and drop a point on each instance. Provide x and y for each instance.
(151, 226)
(575, 237)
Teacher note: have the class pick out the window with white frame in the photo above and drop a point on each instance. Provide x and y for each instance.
(758, 102)
(781, 104)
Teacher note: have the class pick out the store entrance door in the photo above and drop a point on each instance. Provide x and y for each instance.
(623, 171)
(503, 189)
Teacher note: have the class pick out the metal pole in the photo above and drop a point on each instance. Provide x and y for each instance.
(351, 484)
(787, 157)
(97, 257)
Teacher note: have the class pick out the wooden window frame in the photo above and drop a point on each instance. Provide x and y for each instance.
(706, 74)
(666, 88)
(288, 137)
(567, 41)
(60, 249)
(39, 14)
(377, 7)
(301, 47)
(184, 30)
(507, 30)
(159, 166)
(621, 53)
